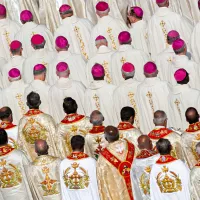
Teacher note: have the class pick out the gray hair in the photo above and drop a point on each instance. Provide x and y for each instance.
(103, 12)
(159, 117)
(181, 50)
(103, 41)
(128, 74)
(96, 118)
(63, 74)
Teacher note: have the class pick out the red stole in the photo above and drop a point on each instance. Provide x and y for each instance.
(198, 164)
(156, 134)
(193, 127)
(72, 118)
(145, 154)
(123, 167)
(33, 112)
(97, 129)
(6, 125)
(77, 156)
(125, 126)
(164, 159)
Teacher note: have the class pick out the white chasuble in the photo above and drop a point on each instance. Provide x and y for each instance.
(13, 182)
(25, 34)
(152, 95)
(78, 177)
(180, 99)
(99, 96)
(127, 53)
(63, 88)
(77, 33)
(140, 173)
(169, 179)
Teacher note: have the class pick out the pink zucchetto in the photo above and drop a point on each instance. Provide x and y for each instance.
(61, 42)
(124, 37)
(138, 11)
(97, 70)
(14, 73)
(61, 67)
(100, 37)
(128, 67)
(150, 68)
(39, 67)
(37, 39)
(173, 34)
(160, 1)
(15, 45)
(64, 8)
(102, 6)
(26, 15)
(180, 74)
(2, 10)
(178, 44)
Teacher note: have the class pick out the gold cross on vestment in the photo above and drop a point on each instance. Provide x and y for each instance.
(109, 30)
(95, 97)
(33, 33)
(177, 102)
(44, 63)
(162, 23)
(6, 33)
(123, 60)
(149, 95)
(105, 63)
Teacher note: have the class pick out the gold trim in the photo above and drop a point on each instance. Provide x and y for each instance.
(107, 75)
(109, 31)
(149, 95)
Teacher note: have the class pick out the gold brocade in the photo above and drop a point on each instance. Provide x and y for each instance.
(107, 75)
(177, 102)
(76, 180)
(109, 31)
(82, 44)
(123, 60)
(149, 95)
(6, 34)
(10, 175)
(162, 24)
(168, 184)
(97, 104)
(145, 181)
(21, 103)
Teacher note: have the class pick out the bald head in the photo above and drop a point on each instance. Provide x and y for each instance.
(160, 118)
(144, 142)
(192, 115)
(6, 114)
(111, 134)
(96, 118)
(41, 147)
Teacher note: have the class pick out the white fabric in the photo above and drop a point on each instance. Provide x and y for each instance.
(3, 61)
(8, 29)
(42, 89)
(14, 62)
(181, 170)
(63, 88)
(79, 40)
(180, 99)
(125, 95)
(193, 68)
(127, 53)
(138, 33)
(151, 96)
(77, 67)
(40, 56)
(12, 135)
(27, 31)
(157, 32)
(13, 97)
(109, 28)
(88, 193)
(194, 183)
(139, 174)
(102, 57)
(99, 96)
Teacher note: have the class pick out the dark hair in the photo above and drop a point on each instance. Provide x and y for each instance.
(39, 46)
(185, 80)
(33, 100)
(77, 142)
(24, 22)
(111, 133)
(67, 12)
(192, 115)
(132, 13)
(38, 72)
(5, 113)
(170, 40)
(70, 106)
(181, 50)
(163, 146)
(15, 51)
(3, 137)
(126, 113)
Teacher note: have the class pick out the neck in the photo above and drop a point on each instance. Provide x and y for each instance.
(38, 78)
(128, 78)
(160, 125)
(37, 108)
(78, 150)
(44, 154)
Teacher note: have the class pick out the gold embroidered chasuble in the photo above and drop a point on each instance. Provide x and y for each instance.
(37, 125)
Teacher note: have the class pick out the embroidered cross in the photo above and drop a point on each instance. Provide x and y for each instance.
(123, 60)
(149, 95)
(177, 102)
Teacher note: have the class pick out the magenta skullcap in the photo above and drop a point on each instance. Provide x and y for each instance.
(14, 73)
(124, 37)
(180, 74)
(100, 37)
(26, 15)
(15, 45)
(128, 67)
(37, 39)
(2, 10)
(62, 66)
(150, 68)
(178, 44)
(160, 1)
(61, 42)
(173, 34)
(39, 67)
(138, 11)
(97, 70)
(64, 8)
(102, 6)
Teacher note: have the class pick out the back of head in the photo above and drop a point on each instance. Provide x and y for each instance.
(2, 11)
(181, 76)
(102, 9)
(101, 41)
(26, 16)
(163, 146)
(150, 70)
(162, 3)
(33, 100)
(98, 72)
(62, 70)
(111, 134)
(144, 142)
(134, 14)
(126, 113)
(61, 44)
(192, 115)
(179, 47)
(124, 38)
(70, 106)
(77, 143)
(39, 72)
(14, 75)
(41, 147)
(38, 41)
(172, 36)
(3, 137)
(5, 113)
(16, 47)
(128, 70)
(160, 118)
(65, 11)
(96, 118)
